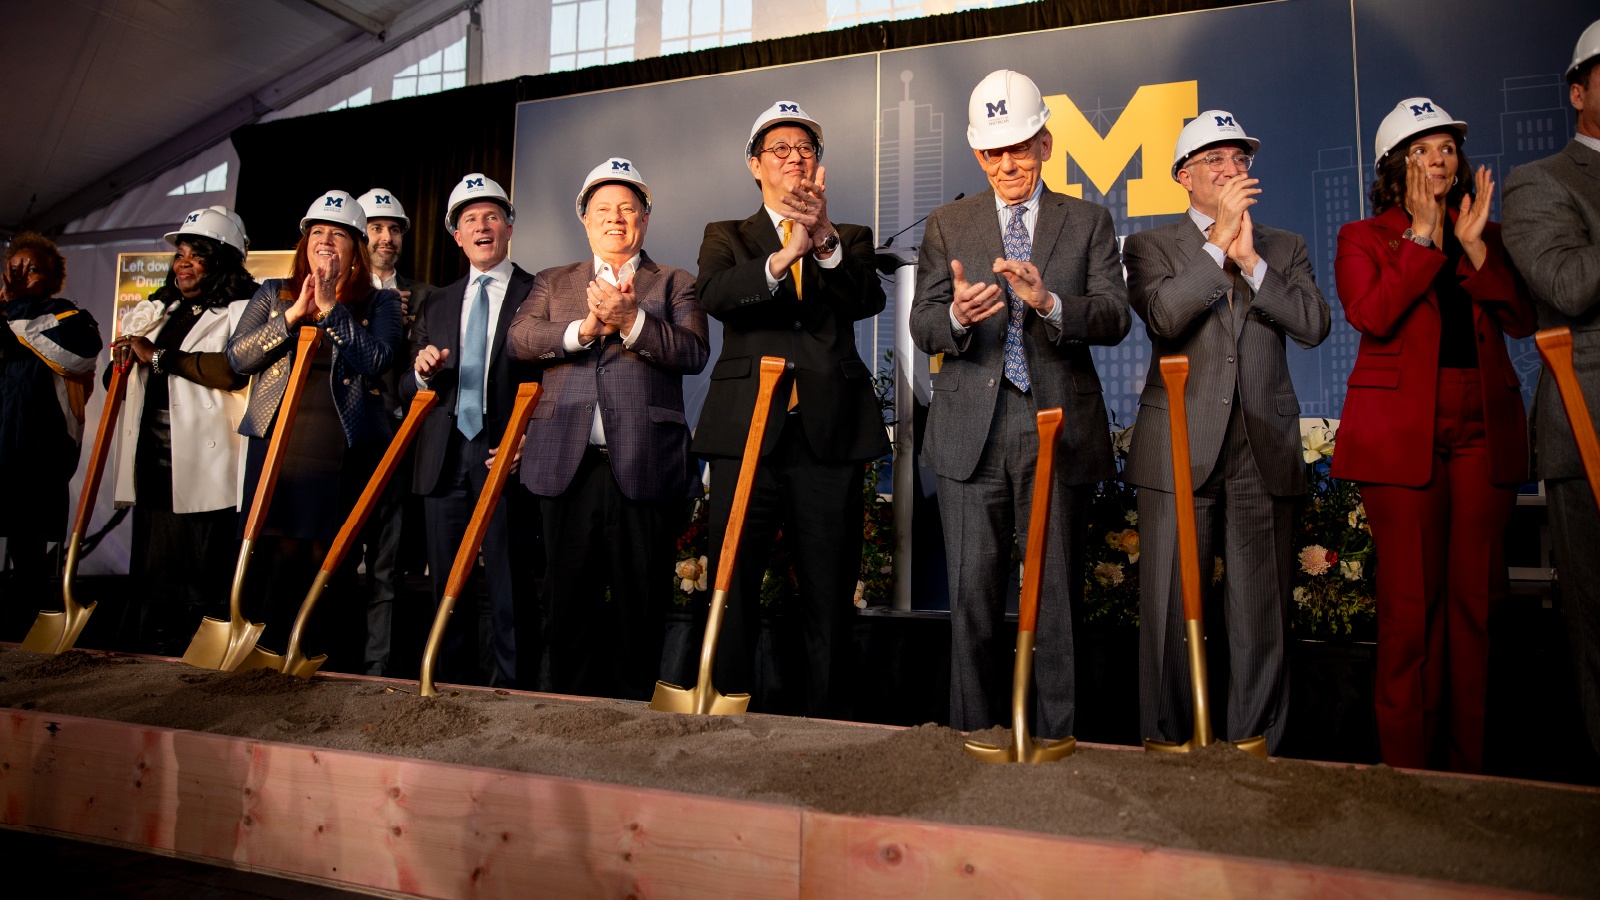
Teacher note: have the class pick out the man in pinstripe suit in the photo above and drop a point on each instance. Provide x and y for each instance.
(1225, 292)
(1013, 285)
(616, 333)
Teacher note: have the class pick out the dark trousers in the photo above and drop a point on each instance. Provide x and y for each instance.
(818, 507)
(1575, 538)
(1256, 546)
(1441, 552)
(182, 566)
(980, 516)
(608, 583)
(448, 510)
(382, 557)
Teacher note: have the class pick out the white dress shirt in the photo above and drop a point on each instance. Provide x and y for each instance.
(1030, 218)
(500, 281)
(777, 223)
(386, 284)
(570, 341)
(1204, 223)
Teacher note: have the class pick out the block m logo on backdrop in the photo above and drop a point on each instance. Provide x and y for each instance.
(1149, 126)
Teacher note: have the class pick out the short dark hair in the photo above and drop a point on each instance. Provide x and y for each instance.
(1389, 188)
(644, 205)
(225, 280)
(1580, 75)
(46, 248)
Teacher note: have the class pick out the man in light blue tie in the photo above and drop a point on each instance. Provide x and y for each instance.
(458, 351)
(1013, 285)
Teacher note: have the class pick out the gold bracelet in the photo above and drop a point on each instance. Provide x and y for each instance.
(321, 314)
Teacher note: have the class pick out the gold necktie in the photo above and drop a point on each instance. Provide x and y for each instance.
(794, 272)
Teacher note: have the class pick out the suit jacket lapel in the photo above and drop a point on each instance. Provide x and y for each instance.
(516, 292)
(1046, 230)
(759, 234)
(645, 278)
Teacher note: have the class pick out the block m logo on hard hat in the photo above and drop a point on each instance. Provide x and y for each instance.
(474, 182)
(192, 218)
(1149, 125)
(1224, 120)
(789, 108)
(382, 199)
(336, 202)
(996, 109)
(618, 165)
(1418, 109)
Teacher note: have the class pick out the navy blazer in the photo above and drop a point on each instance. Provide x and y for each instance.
(438, 323)
(362, 339)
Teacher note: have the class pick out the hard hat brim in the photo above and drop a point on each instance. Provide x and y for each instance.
(1177, 165)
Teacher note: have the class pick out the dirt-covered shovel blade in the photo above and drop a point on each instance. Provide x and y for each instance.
(477, 527)
(56, 632)
(703, 698)
(294, 661)
(1175, 372)
(1023, 747)
(223, 645)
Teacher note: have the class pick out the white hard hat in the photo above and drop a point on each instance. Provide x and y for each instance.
(210, 223)
(237, 220)
(782, 111)
(1006, 108)
(473, 188)
(1411, 117)
(339, 208)
(379, 203)
(1588, 47)
(614, 170)
(1214, 126)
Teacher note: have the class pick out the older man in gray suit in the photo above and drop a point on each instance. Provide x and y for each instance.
(616, 333)
(1552, 231)
(1014, 345)
(1226, 292)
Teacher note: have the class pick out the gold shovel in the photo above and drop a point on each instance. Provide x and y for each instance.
(1023, 748)
(703, 699)
(56, 632)
(1555, 345)
(294, 661)
(1175, 372)
(477, 527)
(224, 645)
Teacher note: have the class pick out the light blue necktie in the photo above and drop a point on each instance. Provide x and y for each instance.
(1019, 246)
(474, 359)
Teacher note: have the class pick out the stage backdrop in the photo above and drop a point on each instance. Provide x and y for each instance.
(1310, 78)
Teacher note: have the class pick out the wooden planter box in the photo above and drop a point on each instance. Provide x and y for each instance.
(436, 829)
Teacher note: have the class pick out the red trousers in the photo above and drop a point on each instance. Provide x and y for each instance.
(1441, 564)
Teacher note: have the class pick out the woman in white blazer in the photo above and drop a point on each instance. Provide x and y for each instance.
(178, 443)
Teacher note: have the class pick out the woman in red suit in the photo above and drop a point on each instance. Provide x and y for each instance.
(1433, 428)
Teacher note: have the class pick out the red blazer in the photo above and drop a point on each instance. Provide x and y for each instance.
(1386, 285)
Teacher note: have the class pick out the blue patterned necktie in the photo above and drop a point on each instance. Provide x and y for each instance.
(1019, 246)
(474, 359)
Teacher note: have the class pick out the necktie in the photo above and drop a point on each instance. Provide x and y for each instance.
(1019, 246)
(794, 273)
(474, 360)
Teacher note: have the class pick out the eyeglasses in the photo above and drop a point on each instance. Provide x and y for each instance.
(781, 151)
(1217, 161)
(1020, 152)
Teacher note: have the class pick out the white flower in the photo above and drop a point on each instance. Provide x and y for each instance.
(1350, 569)
(1300, 596)
(1317, 437)
(860, 598)
(1131, 517)
(1358, 517)
(693, 572)
(1122, 440)
(1109, 574)
(142, 318)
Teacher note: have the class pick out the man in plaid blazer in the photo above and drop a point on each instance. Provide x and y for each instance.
(608, 444)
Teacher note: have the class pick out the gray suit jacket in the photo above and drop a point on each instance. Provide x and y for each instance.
(1182, 295)
(1552, 231)
(1075, 248)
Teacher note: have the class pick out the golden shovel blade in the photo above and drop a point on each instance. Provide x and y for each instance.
(1023, 747)
(702, 699)
(1255, 746)
(54, 632)
(221, 644)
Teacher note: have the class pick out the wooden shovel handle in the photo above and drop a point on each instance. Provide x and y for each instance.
(101, 449)
(1555, 345)
(1039, 518)
(420, 405)
(478, 525)
(1175, 372)
(771, 370)
(310, 337)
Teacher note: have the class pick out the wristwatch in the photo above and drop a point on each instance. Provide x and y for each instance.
(1417, 239)
(828, 244)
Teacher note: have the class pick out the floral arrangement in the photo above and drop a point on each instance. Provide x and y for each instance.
(1334, 579)
(1111, 588)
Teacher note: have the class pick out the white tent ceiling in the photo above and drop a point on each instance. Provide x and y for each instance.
(105, 94)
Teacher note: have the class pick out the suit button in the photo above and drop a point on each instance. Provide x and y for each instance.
(991, 382)
(1226, 401)
(208, 404)
(589, 408)
(797, 326)
(347, 381)
(788, 365)
(1230, 359)
(363, 323)
(211, 443)
(600, 370)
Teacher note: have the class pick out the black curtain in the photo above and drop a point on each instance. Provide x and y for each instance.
(420, 147)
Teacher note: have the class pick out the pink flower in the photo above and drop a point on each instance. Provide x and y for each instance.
(1315, 559)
